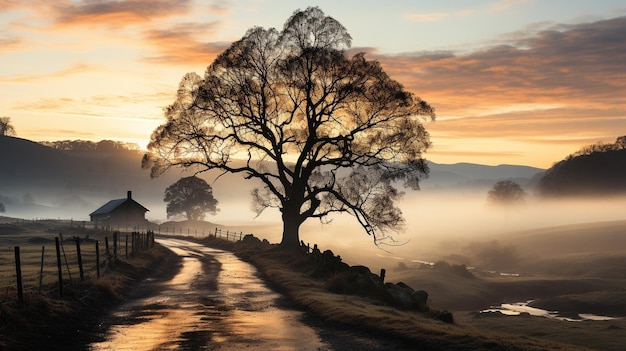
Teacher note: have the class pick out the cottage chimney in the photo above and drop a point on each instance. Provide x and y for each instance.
(129, 194)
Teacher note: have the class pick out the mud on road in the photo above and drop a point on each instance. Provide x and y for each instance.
(209, 300)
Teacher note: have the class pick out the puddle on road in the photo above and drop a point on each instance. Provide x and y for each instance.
(241, 313)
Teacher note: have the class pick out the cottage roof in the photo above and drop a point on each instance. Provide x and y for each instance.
(113, 204)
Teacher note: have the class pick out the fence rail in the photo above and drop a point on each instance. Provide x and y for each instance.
(45, 268)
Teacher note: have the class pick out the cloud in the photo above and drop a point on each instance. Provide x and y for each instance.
(9, 44)
(220, 8)
(118, 13)
(183, 44)
(6, 5)
(436, 16)
(504, 5)
(139, 106)
(78, 68)
(555, 82)
(579, 64)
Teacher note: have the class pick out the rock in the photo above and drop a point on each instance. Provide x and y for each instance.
(252, 241)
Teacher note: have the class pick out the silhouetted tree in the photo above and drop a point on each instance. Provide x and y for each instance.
(6, 128)
(2, 208)
(190, 196)
(322, 131)
(506, 192)
(86, 145)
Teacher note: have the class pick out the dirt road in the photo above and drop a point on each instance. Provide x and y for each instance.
(212, 301)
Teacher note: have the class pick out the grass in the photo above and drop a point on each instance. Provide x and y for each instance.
(45, 317)
(597, 335)
(291, 274)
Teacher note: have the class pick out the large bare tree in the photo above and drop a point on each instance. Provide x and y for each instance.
(322, 131)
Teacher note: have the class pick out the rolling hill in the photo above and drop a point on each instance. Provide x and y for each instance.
(37, 181)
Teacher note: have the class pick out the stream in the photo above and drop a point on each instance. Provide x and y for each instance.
(518, 308)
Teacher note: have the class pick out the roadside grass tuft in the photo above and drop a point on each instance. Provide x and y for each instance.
(31, 324)
(291, 274)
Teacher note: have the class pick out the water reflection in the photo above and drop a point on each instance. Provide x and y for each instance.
(519, 308)
(192, 313)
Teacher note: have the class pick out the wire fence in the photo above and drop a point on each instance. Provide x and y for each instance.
(48, 266)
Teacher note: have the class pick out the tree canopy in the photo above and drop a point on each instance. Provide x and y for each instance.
(324, 132)
(6, 128)
(192, 197)
(87, 145)
(506, 192)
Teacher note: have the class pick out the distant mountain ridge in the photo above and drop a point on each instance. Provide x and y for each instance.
(39, 181)
(475, 175)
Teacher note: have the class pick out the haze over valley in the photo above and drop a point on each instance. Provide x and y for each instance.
(404, 175)
(448, 215)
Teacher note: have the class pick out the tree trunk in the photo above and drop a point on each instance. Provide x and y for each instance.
(291, 230)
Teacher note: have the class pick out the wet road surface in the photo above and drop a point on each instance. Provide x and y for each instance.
(213, 302)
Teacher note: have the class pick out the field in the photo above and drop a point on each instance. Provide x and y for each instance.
(574, 269)
(38, 256)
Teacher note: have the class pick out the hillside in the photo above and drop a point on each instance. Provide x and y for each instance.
(37, 181)
(595, 170)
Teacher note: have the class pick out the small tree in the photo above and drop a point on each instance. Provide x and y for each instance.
(506, 192)
(2, 208)
(323, 132)
(192, 197)
(6, 128)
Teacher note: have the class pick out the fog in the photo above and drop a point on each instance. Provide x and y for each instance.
(440, 224)
(454, 224)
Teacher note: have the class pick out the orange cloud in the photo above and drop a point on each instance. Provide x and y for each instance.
(9, 44)
(506, 4)
(118, 13)
(78, 68)
(182, 44)
(562, 84)
(578, 64)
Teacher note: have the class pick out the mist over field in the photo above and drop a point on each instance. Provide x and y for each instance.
(450, 217)
(440, 225)
(566, 254)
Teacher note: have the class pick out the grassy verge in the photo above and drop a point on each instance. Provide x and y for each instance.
(52, 322)
(291, 274)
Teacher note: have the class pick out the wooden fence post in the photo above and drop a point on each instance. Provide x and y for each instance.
(97, 259)
(115, 238)
(133, 238)
(80, 260)
(43, 249)
(126, 252)
(382, 275)
(18, 273)
(59, 265)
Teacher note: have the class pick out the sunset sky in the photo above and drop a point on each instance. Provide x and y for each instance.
(512, 81)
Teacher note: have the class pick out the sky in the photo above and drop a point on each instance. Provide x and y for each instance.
(523, 82)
